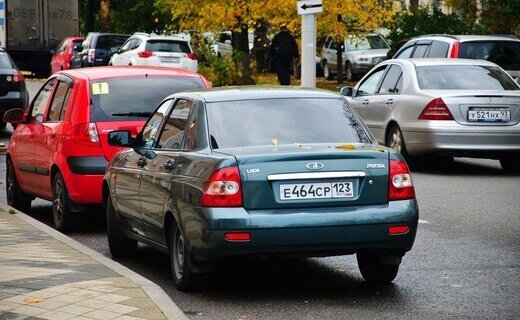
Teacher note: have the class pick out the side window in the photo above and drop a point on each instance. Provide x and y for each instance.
(406, 53)
(390, 82)
(63, 47)
(420, 50)
(60, 95)
(196, 135)
(41, 101)
(173, 133)
(399, 86)
(371, 84)
(438, 49)
(152, 127)
(327, 42)
(135, 44)
(126, 45)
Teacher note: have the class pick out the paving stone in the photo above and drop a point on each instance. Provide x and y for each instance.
(144, 303)
(102, 315)
(149, 314)
(57, 315)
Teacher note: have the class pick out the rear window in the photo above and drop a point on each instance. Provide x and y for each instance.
(134, 98)
(504, 53)
(110, 41)
(167, 46)
(283, 121)
(5, 61)
(455, 77)
(366, 43)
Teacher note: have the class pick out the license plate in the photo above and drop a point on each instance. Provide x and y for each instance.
(489, 115)
(322, 190)
(169, 59)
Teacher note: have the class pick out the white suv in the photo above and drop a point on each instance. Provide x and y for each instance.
(143, 49)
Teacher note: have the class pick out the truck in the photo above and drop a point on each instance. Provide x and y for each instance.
(34, 28)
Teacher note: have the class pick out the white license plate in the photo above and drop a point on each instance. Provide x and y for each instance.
(170, 59)
(322, 190)
(489, 115)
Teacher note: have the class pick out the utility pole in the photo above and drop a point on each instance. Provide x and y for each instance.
(308, 10)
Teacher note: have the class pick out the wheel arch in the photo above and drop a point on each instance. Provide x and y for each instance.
(389, 126)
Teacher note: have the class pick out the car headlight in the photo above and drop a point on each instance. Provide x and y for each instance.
(362, 59)
(376, 60)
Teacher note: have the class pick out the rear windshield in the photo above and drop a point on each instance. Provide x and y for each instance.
(366, 43)
(504, 53)
(283, 121)
(5, 61)
(133, 98)
(167, 46)
(110, 41)
(464, 77)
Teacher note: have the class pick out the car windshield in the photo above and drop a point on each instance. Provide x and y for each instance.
(366, 43)
(283, 121)
(167, 46)
(504, 53)
(455, 77)
(5, 62)
(134, 98)
(108, 42)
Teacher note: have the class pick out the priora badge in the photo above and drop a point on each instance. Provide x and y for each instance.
(314, 165)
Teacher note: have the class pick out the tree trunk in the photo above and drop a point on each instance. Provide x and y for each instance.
(414, 4)
(90, 16)
(104, 15)
(241, 52)
(339, 60)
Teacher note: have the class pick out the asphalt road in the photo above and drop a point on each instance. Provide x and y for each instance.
(465, 263)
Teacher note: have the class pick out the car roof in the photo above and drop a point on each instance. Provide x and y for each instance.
(419, 62)
(257, 92)
(96, 73)
(468, 37)
(147, 36)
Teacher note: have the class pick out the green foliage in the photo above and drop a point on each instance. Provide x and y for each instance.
(408, 24)
(500, 17)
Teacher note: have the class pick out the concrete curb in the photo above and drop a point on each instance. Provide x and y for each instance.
(156, 293)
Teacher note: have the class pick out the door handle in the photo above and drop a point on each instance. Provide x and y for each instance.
(366, 102)
(141, 162)
(389, 101)
(170, 165)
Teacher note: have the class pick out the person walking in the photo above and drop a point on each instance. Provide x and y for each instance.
(282, 51)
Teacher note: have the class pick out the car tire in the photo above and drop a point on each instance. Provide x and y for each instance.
(61, 204)
(373, 270)
(348, 72)
(184, 278)
(326, 72)
(510, 164)
(120, 245)
(16, 198)
(395, 141)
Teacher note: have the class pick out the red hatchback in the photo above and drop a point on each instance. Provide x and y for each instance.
(59, 150)
(67, 49)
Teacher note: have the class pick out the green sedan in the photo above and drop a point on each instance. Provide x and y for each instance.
(258, 171)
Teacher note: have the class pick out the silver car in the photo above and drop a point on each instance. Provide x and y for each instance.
(451, 107)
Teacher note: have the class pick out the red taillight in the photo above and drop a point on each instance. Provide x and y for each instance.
(223, 189)
(455, 49)
(237, 236)
(396, 230)
(400, 181)
(91, 55)
(17, 77)
(145, 54)
(192, 56)
(85, 134)
(436, 110)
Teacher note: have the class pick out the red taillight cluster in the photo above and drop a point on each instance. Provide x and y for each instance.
(17, 77)
(91, 55)
(455, 49)
(223, 189)
(85, 134)
(145, 54)
(436, 110)
(400, 181)
(192, 56)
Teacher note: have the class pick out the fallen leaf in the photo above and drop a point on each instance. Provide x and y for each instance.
(34, 299)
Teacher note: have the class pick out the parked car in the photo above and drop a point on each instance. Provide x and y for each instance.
(502, 50)
(448, 107)
(13, 92)
(59, 150)
(360, 54)
(143, 49)
(210, 176)
(222, 45)
(98, 48)
(66, 52)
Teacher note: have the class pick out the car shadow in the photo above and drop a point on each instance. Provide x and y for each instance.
(461, 167)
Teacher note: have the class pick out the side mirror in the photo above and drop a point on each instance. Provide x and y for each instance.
(120, 138)
(14, 116)
(347, 91)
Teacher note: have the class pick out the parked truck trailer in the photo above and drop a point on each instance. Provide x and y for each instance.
(35, 27)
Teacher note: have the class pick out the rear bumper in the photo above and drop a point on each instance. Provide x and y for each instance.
(85, 188)
(306, 231)
(451, 138)
(361, 69)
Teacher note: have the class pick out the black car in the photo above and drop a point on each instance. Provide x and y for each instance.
(13, 93)
(97, 49)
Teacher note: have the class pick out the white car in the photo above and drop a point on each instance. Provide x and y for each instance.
(143, 49)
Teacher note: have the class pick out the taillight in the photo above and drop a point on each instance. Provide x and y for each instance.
(145, 54)
(223, 189)
(17, 77)
(192, 56)
(85, 134)
(436, 110)
(400, 181)
(91, 55)
(455, 49)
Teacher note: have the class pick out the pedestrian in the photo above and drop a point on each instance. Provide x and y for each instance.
(282, 52)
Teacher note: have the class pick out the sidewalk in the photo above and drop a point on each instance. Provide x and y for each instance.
(46, 275)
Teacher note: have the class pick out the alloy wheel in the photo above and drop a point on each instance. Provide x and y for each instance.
(10, 184)
(395, 141)
(178, 255)
(58, 201)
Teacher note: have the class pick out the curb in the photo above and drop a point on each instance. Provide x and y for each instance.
(156, 293)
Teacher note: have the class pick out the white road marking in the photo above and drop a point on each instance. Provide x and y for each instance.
(423, 221)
